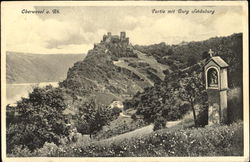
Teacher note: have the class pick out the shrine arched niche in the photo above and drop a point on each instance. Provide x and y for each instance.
(212, 78)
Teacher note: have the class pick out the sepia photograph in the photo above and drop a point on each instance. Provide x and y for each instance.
(94, 81)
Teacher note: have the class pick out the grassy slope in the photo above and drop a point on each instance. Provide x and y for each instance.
(104, 98)
(135, 134)
(153, 63)
(146, 59)
(223, 140)
(123, 64)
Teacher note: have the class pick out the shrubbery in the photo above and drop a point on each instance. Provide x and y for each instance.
(40, 120)
(37, 119)
(159, 123)
(209, 141)
(202, 117)
(235, 109)
(92, 117)
(226, 140)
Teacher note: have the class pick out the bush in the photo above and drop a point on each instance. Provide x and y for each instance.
(92, 117)
(191, 61)
(202, 117)
(20, 151)
(116, 112)
(166, 72)
(114, 58)
(133, 116)
(235, 109)
(48, 150)
(169, 62)
(159, 123)
(38, 119)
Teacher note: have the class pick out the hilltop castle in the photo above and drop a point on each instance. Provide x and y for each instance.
(109, 38)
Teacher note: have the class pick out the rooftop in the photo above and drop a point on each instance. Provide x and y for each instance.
(218, 60)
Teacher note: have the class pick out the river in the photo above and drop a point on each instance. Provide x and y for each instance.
(16, 91)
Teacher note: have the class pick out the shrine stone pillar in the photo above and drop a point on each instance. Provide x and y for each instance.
(216, 86)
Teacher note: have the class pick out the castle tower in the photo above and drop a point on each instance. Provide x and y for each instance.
(104, 38)
(122, 35)
(216, 86)
(127, 41)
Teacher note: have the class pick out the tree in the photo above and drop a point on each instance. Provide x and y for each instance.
(205, 55)
(170, 51)
(166, 72)
(193, 91)
(159, 123)
(38, 118)
(191, 61)
(92, 117)
(149, 106)
(161, 101)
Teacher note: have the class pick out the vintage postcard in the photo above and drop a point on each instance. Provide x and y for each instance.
(125, 80)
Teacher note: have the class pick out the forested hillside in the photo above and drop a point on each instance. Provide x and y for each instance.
(184, 87)
(189, 53)
(34, 68)
(122, 71)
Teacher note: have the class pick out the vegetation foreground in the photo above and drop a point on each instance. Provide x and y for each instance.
(225, 140)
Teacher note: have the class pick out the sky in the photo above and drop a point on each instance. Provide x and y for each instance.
(76, 29)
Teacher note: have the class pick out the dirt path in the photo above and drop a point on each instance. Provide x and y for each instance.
(186, 121)
(139, 132)
(135, 133)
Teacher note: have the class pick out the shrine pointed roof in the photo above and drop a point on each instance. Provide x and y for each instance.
(219, 61)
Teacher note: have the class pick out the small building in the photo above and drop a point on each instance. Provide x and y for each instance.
(117, 104)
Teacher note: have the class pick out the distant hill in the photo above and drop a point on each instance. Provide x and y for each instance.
(33, 68)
